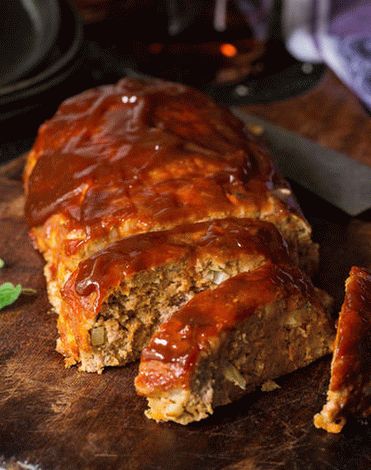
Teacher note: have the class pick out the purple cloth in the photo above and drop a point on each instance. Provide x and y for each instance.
(336, 32)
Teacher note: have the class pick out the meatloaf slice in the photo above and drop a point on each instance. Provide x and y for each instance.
(113, 301)
(225, 342)
(349, 392)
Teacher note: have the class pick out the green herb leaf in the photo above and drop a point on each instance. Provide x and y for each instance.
(2, 263)
(9, 293)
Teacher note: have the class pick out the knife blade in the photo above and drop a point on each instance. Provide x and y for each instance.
(332, 175)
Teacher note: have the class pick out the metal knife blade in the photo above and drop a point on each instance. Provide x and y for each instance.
(338, 179)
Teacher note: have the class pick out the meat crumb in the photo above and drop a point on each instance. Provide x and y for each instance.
(269, 386)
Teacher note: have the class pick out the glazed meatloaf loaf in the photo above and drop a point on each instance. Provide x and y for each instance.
(123, 186)
(349, 392)
(227, 341)
(113, 301)
(143, 156)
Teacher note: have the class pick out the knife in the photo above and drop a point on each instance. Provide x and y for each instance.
(338, 179)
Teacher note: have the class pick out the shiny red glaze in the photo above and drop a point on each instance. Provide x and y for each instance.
(158, 153)
(223, 239)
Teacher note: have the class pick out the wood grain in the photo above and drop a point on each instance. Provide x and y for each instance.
(63, 419)
(328, 113)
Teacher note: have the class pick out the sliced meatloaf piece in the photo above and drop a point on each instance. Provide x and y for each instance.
(112, 302)
(349, 392)
(225, 342)
(141, 156)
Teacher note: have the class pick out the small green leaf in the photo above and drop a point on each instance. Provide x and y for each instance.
(9, 293)
(2, 263)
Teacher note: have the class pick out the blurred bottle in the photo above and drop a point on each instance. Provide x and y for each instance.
(202, 43)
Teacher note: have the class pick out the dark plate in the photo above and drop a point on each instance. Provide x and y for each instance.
(28, 31)
(65, 50)
(42, 87)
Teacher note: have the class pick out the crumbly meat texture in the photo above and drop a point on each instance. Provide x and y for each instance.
(349, 392)
(225, 342)
(114, 300)
(143, 156)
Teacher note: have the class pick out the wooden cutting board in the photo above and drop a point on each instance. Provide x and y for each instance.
(63, 419)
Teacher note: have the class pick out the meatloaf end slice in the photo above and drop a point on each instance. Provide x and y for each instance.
(349, 392)
(225, 342)
(113, 301)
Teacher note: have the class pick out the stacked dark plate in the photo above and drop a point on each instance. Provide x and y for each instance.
(40, 44)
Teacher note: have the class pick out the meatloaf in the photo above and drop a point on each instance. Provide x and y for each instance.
(349, 393)
(141, 156)
(225, 342)
(112, 302)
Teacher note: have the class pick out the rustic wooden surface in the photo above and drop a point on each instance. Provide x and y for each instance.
(62, 419)
(328, 114)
